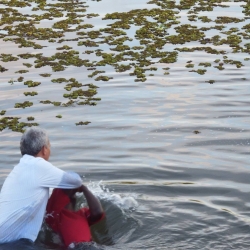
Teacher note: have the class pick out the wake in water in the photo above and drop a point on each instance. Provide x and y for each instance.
(122, 201)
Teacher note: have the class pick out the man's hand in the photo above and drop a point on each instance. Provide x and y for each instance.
(71, 192)
(94, 204)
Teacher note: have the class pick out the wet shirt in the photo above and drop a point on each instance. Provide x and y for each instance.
(73, 226)
(24, 196)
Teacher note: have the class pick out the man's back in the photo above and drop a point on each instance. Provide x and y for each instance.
(24, 196)
(21, 201)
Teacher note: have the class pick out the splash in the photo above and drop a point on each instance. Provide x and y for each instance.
(122, 201)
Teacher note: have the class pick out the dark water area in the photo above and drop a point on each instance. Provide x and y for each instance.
(167, 149)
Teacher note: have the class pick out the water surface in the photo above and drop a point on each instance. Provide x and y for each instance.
(172, 152)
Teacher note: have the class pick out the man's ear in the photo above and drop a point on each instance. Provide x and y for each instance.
(43, 150)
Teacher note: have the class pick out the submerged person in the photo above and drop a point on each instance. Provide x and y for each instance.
(73, 225)
(25, 192)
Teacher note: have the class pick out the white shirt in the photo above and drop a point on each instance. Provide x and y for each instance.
(24, 196)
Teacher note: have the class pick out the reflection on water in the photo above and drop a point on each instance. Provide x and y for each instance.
(163, 119)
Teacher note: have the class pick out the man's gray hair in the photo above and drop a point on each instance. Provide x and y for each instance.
(33, 141)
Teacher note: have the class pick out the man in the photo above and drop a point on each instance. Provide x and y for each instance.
(73, 225)
(25, 192)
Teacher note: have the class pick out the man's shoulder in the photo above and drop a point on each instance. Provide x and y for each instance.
(34, 161)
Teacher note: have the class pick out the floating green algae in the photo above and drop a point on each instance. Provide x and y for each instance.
(64, 47)
(199, 71)
(50, 102)
(60, 80)
(33, 93)
(211, 81)
(103, 78)
(8, 58)
(20, 79)
(30, 83)
(80, 93)
(45, 75)
(226, 19)
(2, 69)
(205, 64)
(196, 132)
(160, 38)
(22, 71)
(96, 73)
(220, 66)
(30, 118)
(28, 65)
(82, 123)
(14, 124)
(24, 104)
(84, 95)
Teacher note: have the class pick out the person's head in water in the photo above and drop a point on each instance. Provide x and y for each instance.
(35, 142)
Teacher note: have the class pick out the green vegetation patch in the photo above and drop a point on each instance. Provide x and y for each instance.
(50, 102)
(24, 105)
(130, 42)
(205, 64)
(211, 81)
(103, 78)
(2, 112)
(22, 71)
(20, 79)
(28, 65)
(45, 75)
(14, 124)
(33, 93)
(2, 69)
(31, 83)
(199, 71)
(82, 123)
(8, 58)
(226, 19)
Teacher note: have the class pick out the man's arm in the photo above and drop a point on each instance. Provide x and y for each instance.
(53, 177)
(95, 207)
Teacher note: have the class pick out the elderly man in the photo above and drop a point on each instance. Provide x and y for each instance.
(25, 192)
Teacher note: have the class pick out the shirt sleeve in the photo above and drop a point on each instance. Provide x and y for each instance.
(53, 177)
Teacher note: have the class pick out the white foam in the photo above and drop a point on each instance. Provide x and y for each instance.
(123, 201)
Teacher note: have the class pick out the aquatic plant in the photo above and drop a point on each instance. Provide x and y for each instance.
(196, 132)
(33, 93)
(14, 124)
(24, 104)
(45, 75)
(82, 123)
(211, 81)
(30, 83)
(2, 69)
(22, 71)
(28, 65)
(8, 58)
(155, 28)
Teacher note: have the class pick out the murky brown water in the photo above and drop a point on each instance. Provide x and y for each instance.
(173, 151)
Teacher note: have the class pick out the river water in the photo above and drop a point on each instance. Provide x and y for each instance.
(169, 156)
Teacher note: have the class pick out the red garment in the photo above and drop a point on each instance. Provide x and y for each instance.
(74, 226)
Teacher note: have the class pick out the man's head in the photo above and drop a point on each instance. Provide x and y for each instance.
(35, 142)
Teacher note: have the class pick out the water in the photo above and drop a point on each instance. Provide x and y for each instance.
(163, 185)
